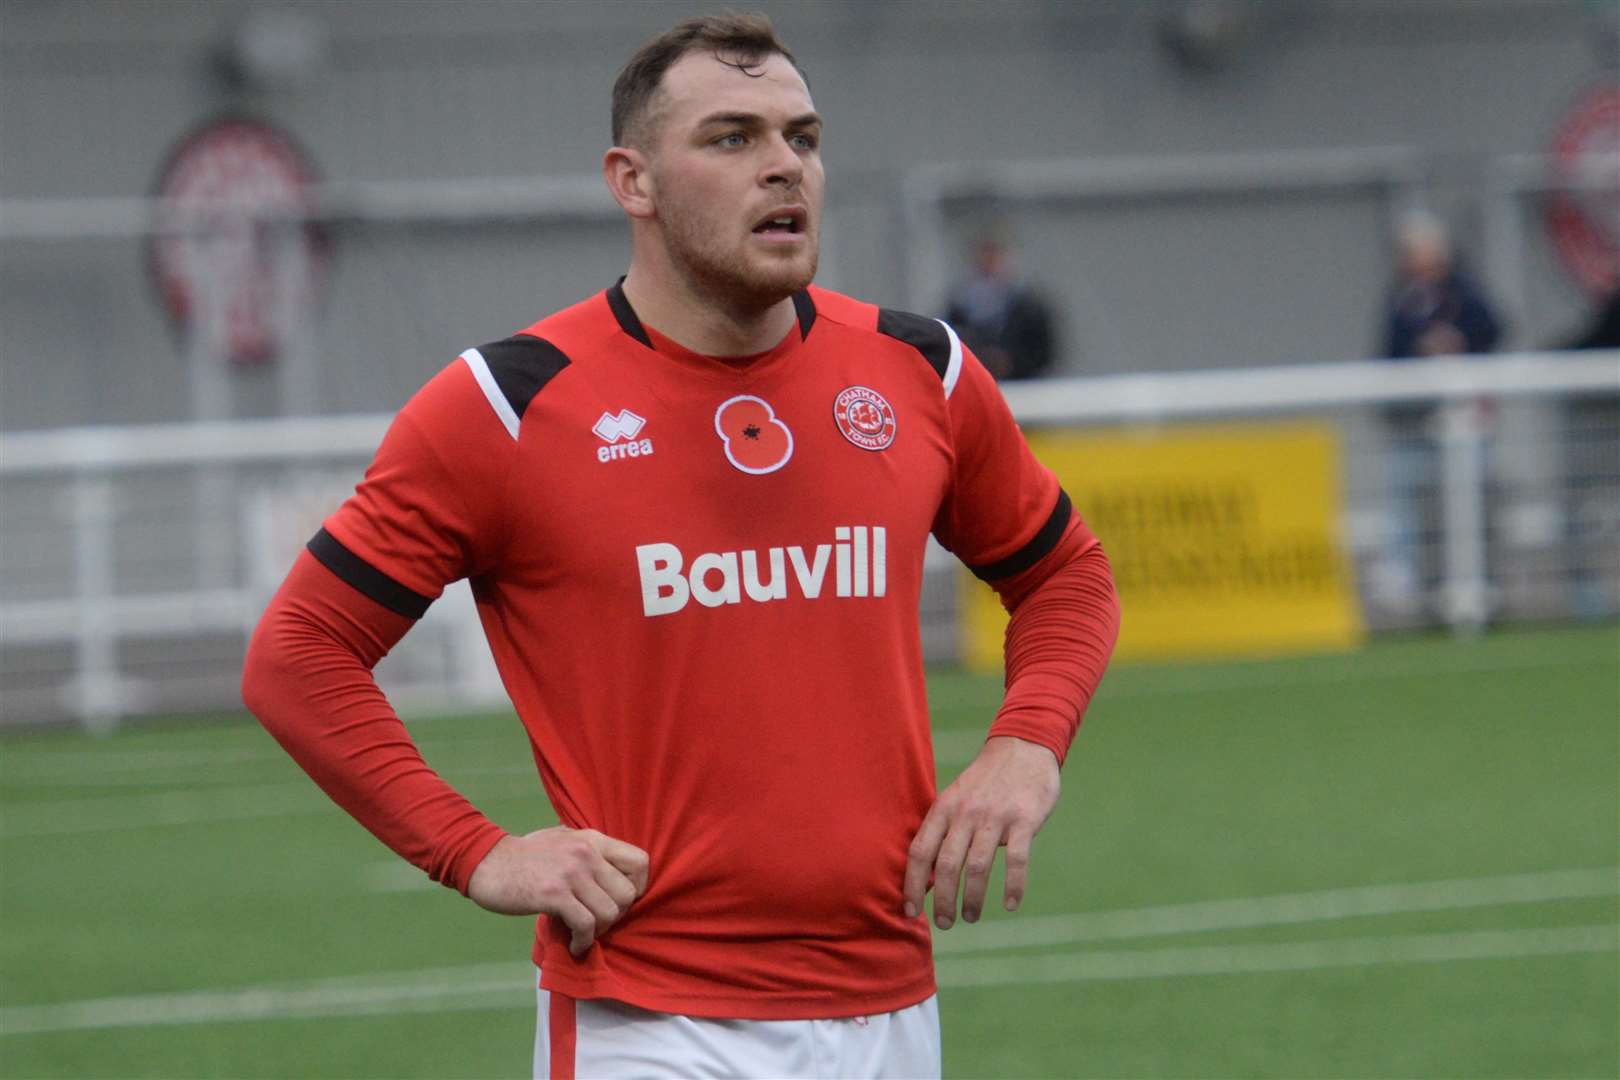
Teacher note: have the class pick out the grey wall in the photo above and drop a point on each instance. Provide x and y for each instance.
(92, 94)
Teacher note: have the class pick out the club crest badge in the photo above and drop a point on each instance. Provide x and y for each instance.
(865, 417)
(755, 440)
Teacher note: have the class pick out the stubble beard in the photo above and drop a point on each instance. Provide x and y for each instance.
(729, 276)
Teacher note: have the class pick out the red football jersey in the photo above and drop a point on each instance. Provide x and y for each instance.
(699, 578)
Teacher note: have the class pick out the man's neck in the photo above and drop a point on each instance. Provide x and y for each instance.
(703, 323)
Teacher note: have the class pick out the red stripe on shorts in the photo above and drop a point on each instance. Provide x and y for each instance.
(560, 1014)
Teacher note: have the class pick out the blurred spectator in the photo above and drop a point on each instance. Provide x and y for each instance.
(1006, 324)
(1434, 309)
(1603, 329)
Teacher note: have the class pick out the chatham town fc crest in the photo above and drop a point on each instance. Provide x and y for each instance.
(865, 417)
(755, 440)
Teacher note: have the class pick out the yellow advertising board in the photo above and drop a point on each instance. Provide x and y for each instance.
(1225, 540)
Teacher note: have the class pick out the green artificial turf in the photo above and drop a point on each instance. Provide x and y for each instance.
(193, 858)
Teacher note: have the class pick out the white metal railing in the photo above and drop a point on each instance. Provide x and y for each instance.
(95, 615)
(1289, 388)
(80, 450)
(1146, 397)
(468, 201)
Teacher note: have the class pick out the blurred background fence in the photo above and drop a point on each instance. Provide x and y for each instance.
(136, 559)
(235, 236)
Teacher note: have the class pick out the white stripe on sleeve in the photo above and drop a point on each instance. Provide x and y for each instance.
(492, 390)
(953, 370)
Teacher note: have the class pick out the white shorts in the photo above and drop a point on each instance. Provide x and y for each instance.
(599, 1038)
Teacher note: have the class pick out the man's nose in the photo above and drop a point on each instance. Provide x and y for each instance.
(785, 168)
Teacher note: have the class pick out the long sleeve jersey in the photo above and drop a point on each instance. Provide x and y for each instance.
(699, 578)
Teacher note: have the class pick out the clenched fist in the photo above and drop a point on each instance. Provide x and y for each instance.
(577, 875)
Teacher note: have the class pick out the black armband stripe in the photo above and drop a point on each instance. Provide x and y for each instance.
(1039, 546)
(367, 579)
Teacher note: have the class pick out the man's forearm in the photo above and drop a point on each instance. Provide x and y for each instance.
(308, 679)
(1063, 628)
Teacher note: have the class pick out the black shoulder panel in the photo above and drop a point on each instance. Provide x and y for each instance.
(1038, 547)
(926, 335)
(522, 365)
(367, 579)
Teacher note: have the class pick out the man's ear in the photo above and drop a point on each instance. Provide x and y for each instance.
(625, 170)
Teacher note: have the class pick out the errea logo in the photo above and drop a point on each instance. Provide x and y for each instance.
(619, 432)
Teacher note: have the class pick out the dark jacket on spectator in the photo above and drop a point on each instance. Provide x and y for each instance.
(1013, 337)
(1417, 308)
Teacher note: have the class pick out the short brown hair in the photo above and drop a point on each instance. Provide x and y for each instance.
(743, 41)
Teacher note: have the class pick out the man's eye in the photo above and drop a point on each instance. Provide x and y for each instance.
(805, 142)
(735, 138)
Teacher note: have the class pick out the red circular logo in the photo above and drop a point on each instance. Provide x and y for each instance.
(220, 258)
(865, 417)
(1584, 222)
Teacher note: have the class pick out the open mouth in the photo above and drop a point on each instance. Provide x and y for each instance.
(783, 223)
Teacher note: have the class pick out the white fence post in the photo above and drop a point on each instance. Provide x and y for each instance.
(97, 693)
(1464, 591)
